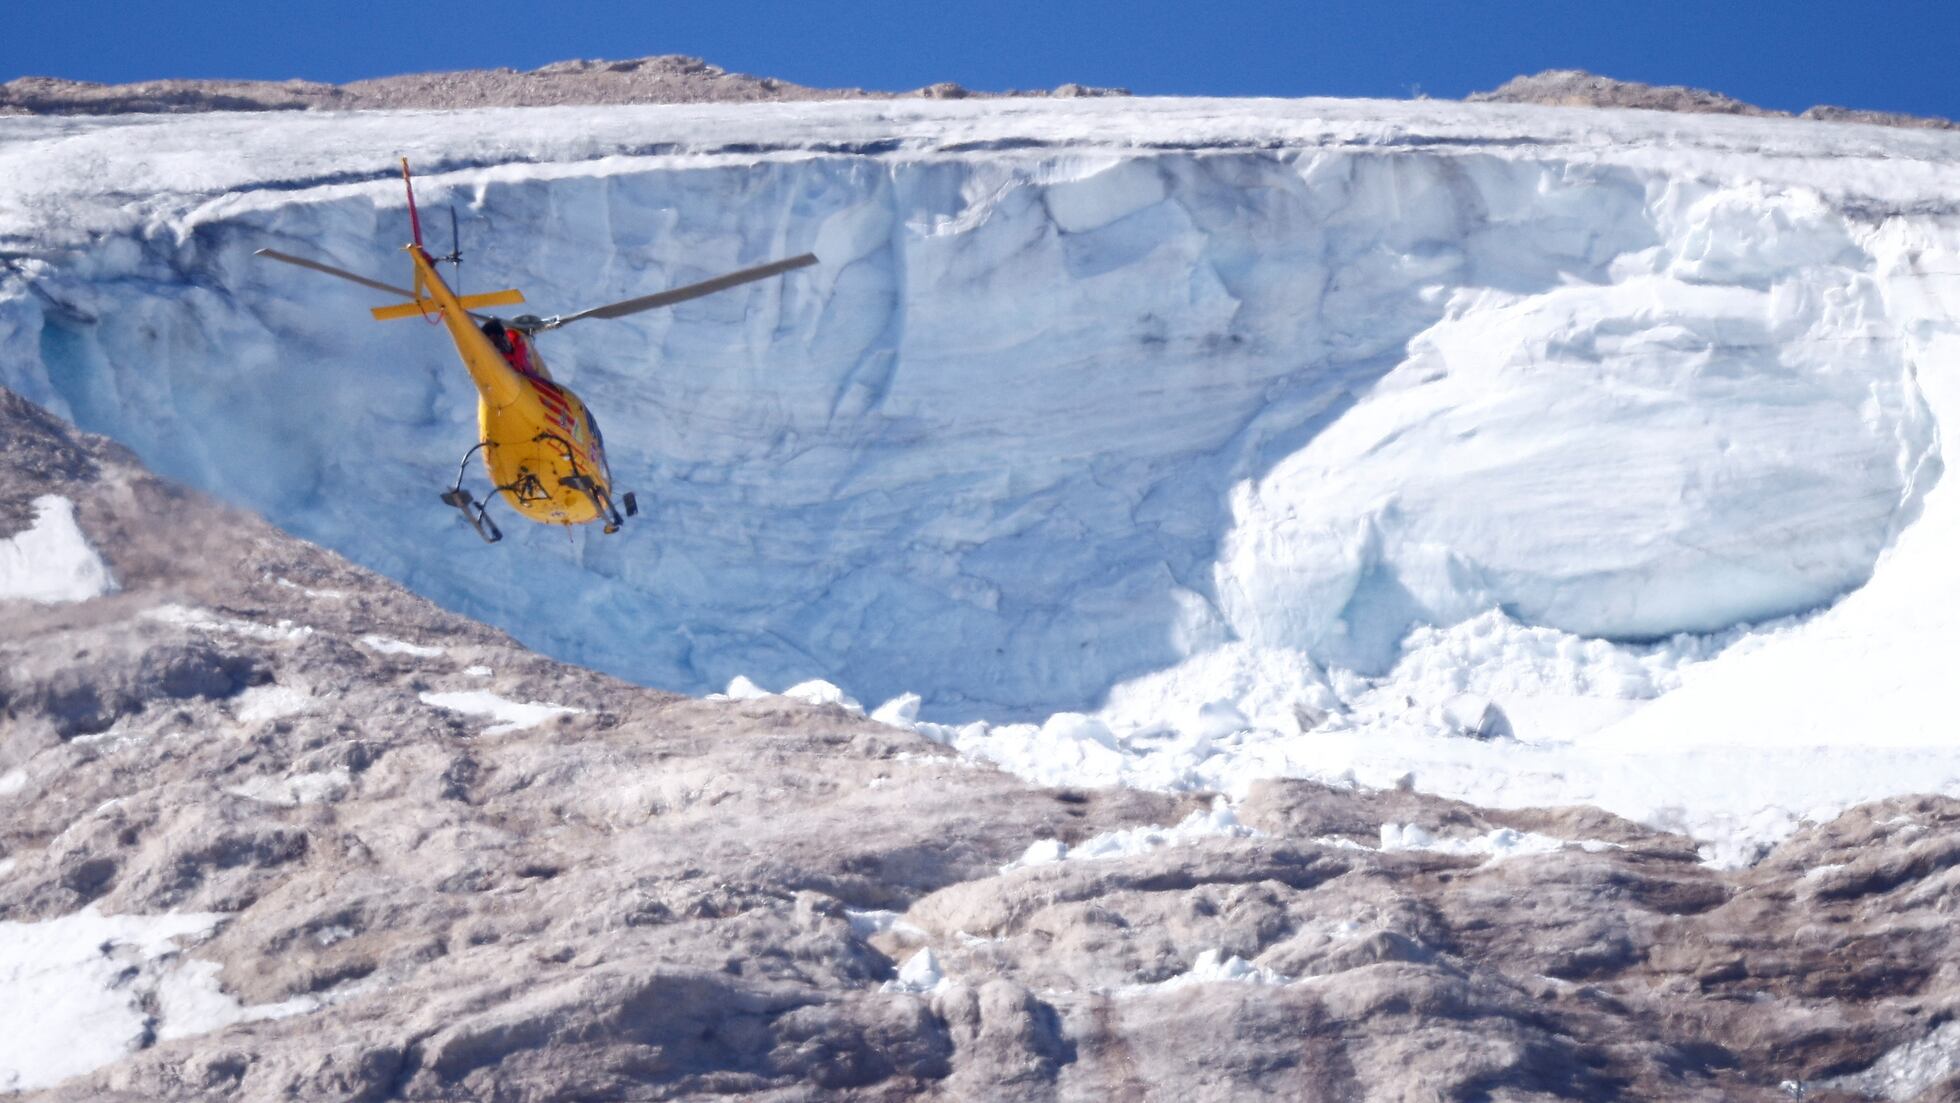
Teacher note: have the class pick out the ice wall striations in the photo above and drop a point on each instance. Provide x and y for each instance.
(1048, 417)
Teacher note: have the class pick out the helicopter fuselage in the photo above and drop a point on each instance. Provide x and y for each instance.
(540, 444)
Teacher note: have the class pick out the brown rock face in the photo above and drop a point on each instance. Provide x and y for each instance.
(650, 897)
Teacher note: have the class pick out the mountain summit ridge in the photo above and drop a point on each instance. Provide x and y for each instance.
(1579, 88)
(664, 78)
(681, 78)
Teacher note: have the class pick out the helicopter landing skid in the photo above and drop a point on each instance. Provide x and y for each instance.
(600, 501)
(475, 512)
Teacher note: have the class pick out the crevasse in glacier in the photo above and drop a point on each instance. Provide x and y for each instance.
(1077, 391)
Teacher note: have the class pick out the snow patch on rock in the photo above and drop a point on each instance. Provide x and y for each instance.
(815, 691)
(1907, 1071)
(190, 1002)
(1220, 822)
(52, 562)
(921, 973)
(1495, 845)
(76, 988)
(1214, 967)
(310, 788)
(257, 704)
(876, 921)
(386, 645)
(281, 631)
(509, 716)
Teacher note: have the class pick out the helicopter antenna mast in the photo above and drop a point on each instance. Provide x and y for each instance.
(455, 240)
(414, 216)
(455, 257)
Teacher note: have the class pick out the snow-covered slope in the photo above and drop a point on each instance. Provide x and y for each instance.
(1213, 402)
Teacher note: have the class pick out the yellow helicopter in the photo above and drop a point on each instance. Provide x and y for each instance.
(540, 443)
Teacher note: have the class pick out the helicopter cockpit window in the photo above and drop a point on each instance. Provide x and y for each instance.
(592, 430)
(533, 363)
(516, 350)
(499, 336)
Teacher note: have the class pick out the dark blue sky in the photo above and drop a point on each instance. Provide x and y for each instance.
(1898, 55)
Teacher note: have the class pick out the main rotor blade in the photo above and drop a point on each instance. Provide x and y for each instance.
(274, 254)
(691, 291)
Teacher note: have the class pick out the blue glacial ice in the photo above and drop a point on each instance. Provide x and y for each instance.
(1077, 393)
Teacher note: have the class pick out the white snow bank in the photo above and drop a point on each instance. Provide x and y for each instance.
(815, 691)
(206, 621)
(387, 645)
(190, 1002)
(75, 990)
(1495, 845)
(741, 688)
(921, 973)
(901, 711)
(322, 595)
(1736, 455)
(309, 788)
(52, 562)
(819, 692)
(1872, 671)
(1214, 967)
(509, 715)
(1220, 822)
(864, 924)
(272, 701)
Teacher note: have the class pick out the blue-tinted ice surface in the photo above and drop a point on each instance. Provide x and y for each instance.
(1076, 392)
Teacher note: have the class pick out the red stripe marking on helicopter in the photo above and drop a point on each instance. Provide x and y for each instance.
(556, 405)
(553, 402)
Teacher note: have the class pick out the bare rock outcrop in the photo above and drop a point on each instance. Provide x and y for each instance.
(1578, 88)
(667, 78)
(437, 866)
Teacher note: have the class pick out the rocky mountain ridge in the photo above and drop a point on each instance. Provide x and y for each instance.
(667, 78)
(1578, 88)
(410, 860)
(678, 78)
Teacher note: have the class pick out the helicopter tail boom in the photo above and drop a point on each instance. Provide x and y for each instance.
(414, 217)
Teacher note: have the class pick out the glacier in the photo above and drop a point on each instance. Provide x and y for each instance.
(1169, 441)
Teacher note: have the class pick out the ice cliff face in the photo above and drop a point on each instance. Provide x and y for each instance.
(1078, 391)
